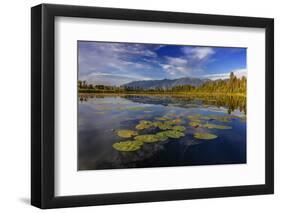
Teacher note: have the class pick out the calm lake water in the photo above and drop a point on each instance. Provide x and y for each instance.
(101, 117)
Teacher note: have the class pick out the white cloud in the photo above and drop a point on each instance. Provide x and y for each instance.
(111, 58)
(175, 66)
(111, 79)
(199, 53)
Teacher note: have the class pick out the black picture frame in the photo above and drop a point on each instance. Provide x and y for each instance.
(43, 102)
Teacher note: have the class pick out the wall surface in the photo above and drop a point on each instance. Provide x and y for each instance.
(15, 105)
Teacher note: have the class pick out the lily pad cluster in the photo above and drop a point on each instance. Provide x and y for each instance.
(170, 127)
(201, 121)
(165, 128)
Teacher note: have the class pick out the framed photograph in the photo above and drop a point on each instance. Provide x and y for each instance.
(139, 106)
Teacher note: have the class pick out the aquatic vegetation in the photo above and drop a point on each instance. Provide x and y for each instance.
(194, 117)
(195, 124)
(176, 121)
(215, 126)
(165, 126)
(156, 123)
(162, 136)
(149, 138)
(126, 133)
(127, 146)
(161, 118)
(205, 117)
(173, 134)
(179, 128)
(144, 124)
(220, 118)
(204, 136)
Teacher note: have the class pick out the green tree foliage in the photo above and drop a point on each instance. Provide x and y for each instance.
(232, 85)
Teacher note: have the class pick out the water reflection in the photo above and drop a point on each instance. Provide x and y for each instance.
(231, 103)
(101, 116)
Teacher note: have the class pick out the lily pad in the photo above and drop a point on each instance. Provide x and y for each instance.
(162, 136)
(194, 117)
(161, 118)
(149, 138)
(127, 146)
(215, 126)
(126, 133)
(195, 124)
(143, 124)
(179, 128)
(220, 118)
(173, 134)
(205, 136)
(165, 126)
(176, 121)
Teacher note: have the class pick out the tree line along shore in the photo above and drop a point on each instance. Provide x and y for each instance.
(230, 86)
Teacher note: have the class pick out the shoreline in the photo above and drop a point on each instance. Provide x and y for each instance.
(160, 94)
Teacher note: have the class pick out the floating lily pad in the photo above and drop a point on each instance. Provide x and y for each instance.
(195, 124)
(149, 138)
(156, 123)
(161, 118)
(194, 117)
(206, 118)
(179, 128)
(143, 124)
(127, 146)
(173, 134)
(162, 136)
(205, 136)
(220, 118)
(176, 121)
(126, 133)
(165, 126)
(215, 126)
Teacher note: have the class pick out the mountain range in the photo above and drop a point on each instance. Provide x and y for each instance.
(166, 83)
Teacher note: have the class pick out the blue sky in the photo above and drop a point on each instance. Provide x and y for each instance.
(119, 63)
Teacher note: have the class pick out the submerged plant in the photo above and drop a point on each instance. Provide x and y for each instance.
(149, 138)
(127, 146)
(205, 136)
(126, 133)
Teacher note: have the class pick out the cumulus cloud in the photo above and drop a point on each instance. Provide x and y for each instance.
(175, 66)
(119, 63)
(112, 59)
(199, 53)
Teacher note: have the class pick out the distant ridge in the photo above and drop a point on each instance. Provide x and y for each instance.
(166, 83)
